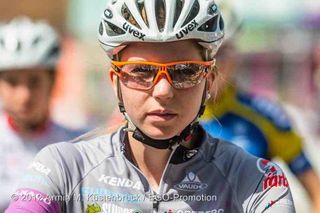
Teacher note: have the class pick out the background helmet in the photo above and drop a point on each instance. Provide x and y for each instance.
(126, 21)
(233, 16)
(27, 44)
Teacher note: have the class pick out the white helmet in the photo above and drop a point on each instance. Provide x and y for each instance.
(126, 21)
(27, 44)
(232, 15)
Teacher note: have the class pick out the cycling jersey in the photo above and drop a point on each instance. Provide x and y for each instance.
(256, 124)
(17, 151)
(94, 175)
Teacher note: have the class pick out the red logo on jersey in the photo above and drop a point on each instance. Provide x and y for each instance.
(266, 166)
(273, 180)
(274, 177)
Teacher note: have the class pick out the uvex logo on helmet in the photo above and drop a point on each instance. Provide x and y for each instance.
(132, 31)
(189, 28)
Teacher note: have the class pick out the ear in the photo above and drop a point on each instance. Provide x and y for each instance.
(210, 79)
(113, 78)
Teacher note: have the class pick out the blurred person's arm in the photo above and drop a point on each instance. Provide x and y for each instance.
(308, 177)
(311, 182)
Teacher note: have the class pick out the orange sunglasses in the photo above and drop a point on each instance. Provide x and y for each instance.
(143, 75)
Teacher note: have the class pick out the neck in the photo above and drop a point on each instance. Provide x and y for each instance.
(151, 161)
(27, 128)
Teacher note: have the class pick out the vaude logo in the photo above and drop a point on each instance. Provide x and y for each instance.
(190, 183)
(134, 32)
(190, 27)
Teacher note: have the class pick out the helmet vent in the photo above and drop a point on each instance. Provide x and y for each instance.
(142, 10)
(19, 45)
(113, 30)
(101, 28)
(161, 14)
(36, 40)
(221, 23)
(128, 16)
(179, 6)
(54, 51)
(210, 26)
(1, 42)
(193, 12)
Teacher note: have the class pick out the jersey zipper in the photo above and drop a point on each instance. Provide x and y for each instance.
(155, 203)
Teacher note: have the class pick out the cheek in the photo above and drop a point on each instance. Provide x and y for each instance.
(7, 94)
(133, 101)
(193, 97)
(42, 96)
(46, 86)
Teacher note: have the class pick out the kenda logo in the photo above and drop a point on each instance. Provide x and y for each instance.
(190, 27)
(111, 208)
(190, 183)
(40, 168)
(120, 182)
(134, 32)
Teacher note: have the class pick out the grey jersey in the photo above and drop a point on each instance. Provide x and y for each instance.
(93, 175)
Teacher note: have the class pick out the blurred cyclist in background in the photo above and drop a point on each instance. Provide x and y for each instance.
(29, 54)
(257, 124)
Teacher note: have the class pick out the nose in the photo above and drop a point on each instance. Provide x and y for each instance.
(162, 89)
(23, 94)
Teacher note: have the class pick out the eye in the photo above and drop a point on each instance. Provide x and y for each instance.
(185, 69)
(12, 81)
(141, 71)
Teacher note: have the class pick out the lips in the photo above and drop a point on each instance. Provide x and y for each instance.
(161, 115)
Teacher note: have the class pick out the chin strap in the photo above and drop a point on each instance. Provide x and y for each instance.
(186, 135)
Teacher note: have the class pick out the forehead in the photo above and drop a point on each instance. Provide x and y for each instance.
(163, 52)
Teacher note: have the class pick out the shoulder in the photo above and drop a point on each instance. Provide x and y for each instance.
(253, 180)
(237, 166)
(266, 108)
(59, 168)
(89, 147)
(231, 159)
(65, 133)
(80, 156)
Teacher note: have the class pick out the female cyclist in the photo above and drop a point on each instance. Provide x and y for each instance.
(162, 160)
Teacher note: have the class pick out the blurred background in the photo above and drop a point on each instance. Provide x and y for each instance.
(279, 46)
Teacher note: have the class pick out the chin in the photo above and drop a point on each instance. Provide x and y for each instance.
(160, 133)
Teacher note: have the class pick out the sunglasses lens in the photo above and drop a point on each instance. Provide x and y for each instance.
(186, 75)
(142, 76)
(138, 76)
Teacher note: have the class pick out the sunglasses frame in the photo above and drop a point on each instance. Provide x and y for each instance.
(162, 68)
